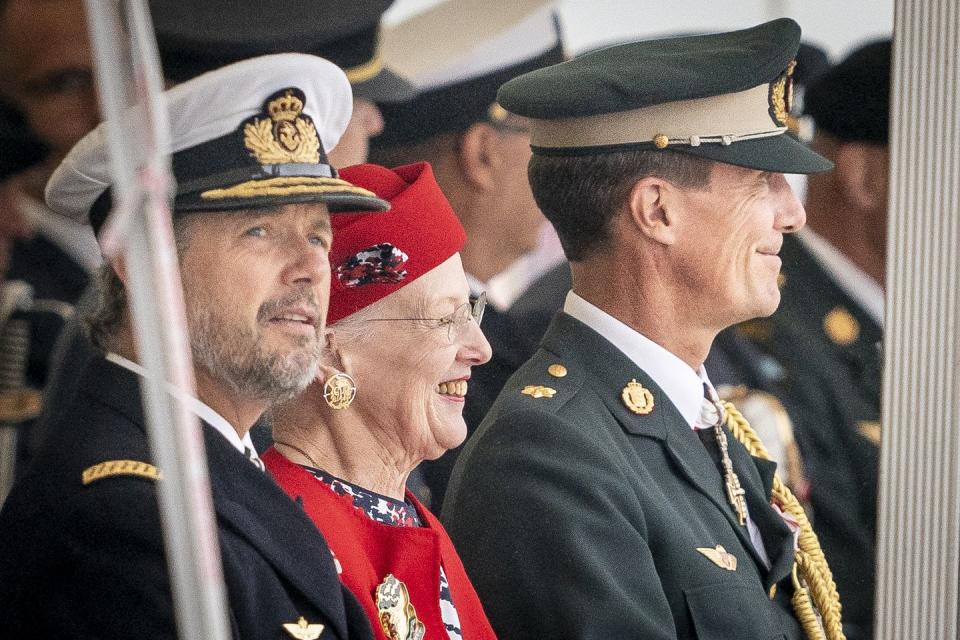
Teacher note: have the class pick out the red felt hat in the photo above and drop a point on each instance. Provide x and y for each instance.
(373, 256)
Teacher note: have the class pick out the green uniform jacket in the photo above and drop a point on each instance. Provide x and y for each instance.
(577, 518)
(829, 348)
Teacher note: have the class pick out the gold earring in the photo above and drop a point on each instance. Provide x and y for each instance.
(339, 391)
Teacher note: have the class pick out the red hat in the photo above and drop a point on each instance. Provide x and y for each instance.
(373, 256)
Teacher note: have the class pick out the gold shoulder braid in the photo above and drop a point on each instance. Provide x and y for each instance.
(815, 598)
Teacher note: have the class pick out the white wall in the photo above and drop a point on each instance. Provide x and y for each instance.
(836, 25)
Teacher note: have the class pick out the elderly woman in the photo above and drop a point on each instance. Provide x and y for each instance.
(403, 336)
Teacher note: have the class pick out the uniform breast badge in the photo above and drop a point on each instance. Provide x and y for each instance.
(303, 630)
(397, 614)
(538, 391)
(637, 398)
(720, 557)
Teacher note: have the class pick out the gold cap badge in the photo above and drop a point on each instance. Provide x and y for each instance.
(397, 614)
(285, 136)
(720, 557)
(781, 95)
(557, 370)
(538, 391)
(637, 398)
(303, 630)
(841, 327)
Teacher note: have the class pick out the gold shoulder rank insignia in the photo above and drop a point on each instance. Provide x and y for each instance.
(720, 557)
(303, 630)
(111, 468)
(397, 614)
(285, 136)
(841, 327)
(538, 391)
(637, 398)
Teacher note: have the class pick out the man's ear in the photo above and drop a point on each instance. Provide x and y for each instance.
(651, 205)
(478, 156)
(861, 171)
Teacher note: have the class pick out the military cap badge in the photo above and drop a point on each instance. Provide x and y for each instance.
(286, 134)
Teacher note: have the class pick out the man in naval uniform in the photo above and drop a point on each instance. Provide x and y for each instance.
(606, 494)
(81, 542)
(828, 328)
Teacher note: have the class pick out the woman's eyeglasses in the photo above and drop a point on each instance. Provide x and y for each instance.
(455, 321)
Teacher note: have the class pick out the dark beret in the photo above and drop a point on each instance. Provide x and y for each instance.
(852, 100)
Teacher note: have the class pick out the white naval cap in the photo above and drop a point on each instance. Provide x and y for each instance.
(249, 135)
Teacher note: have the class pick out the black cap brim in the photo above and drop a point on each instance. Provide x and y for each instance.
(780, 154)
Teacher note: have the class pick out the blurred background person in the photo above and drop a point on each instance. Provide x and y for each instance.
(828, 328)
(457, 54)
(403, 338)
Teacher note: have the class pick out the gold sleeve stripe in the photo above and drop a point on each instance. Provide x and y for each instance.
(111, 468)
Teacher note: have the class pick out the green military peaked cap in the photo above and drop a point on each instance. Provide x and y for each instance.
(724, 97)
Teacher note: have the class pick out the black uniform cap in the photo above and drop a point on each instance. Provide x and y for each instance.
(722, 96)
(197, 37)
(852, 100)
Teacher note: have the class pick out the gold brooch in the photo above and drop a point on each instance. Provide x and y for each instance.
(720, 557)
(841, 327)
(303, 630)
(397, 614)
(285, 135)
(637, 398)
(538, 391)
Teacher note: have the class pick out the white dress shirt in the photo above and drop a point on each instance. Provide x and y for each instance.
(198, 408)
(682, 384)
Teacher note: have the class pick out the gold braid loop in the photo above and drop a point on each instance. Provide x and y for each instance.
(815, 598)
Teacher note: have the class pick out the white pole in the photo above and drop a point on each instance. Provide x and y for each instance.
(129, 83)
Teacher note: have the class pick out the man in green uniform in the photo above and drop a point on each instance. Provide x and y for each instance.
(606, 495)
(828, 328)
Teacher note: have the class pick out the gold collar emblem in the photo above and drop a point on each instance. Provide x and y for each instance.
(720, 557)
(781, 95)
(637, 398)
(841, 327)
(538, 391)
(303, 630)
(285, 135)
(397, 614)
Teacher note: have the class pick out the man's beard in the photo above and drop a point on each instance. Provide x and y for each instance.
(237, 356)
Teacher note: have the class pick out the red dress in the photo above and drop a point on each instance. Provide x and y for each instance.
(368, 553)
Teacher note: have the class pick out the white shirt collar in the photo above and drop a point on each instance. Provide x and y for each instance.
(683, 385)
(855, 282)
(195, 406)
(76, 240)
